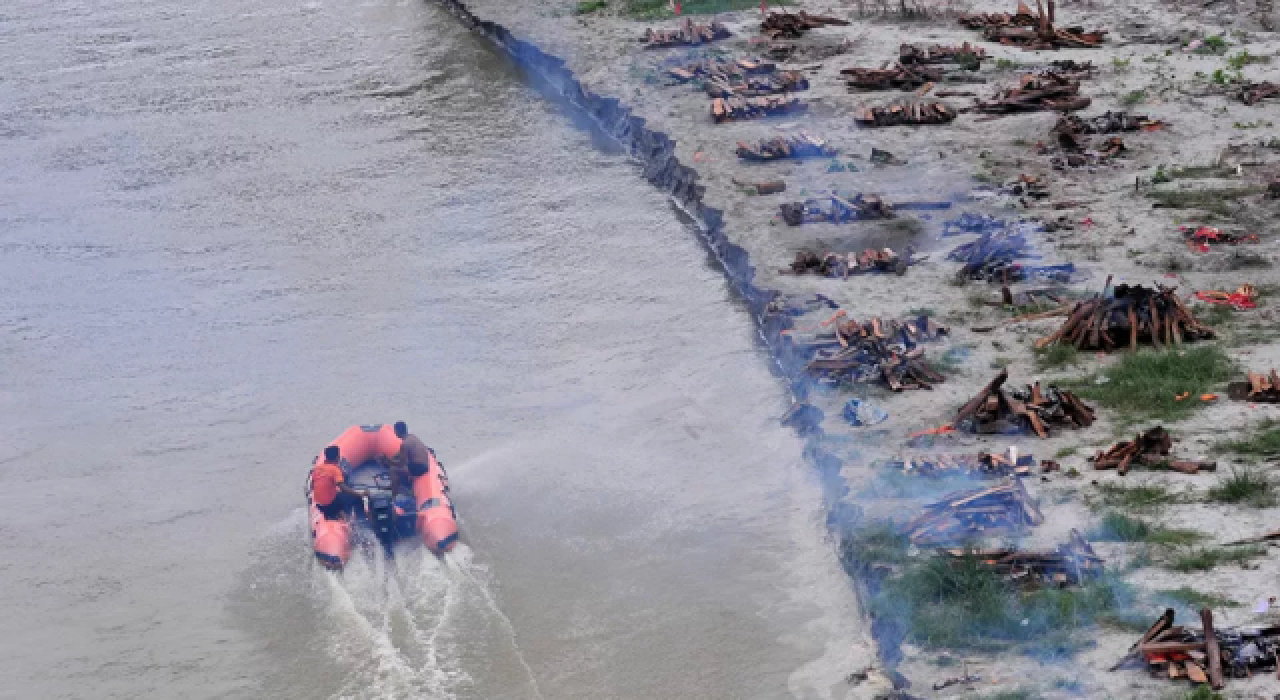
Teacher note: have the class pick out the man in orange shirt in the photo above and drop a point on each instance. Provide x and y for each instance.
(329, 486)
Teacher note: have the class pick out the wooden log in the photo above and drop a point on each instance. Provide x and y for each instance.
(1195, 673)
(1212, 649)
(1133, 329)
(978, 401)
(1169, 647)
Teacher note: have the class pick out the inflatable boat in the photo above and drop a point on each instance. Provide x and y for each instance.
(428, 512)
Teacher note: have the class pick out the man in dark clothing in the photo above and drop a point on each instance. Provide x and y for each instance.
(413, 459)
(329, 487)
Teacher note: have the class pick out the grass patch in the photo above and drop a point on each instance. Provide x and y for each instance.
(1065, 452)
(1144, 385)
(1019, 694)
(1262, 442)
(1135, 97)
(1213, 46)
(940, 602)
(1137, 497)
(1209, 558)
(1246, 486)
(1056, 356)
(659, 9)
(1244, 58)
(1216, 201)
(1118, 527)
(1195, 600)
(587, 7)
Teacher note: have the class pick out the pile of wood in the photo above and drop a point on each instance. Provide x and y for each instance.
(784, 25)
(1032, 32)
(1150, 449)
(1258, 387)
(836, 209)
(1208, 655)
(731, 71)
(1044, 91)
(1070, 564)
(1106, 123)
(845, 264)
(985, 465)
(1082, 157)
(965, 53)
(994, 258)
(1003, 509)
(801, 145)
(996, 411)
(869, 351)
(775, 83)
(689, 34)
(1131, 315)
(1253, 93)
(913, 114)
(900, 77)
(742, 108)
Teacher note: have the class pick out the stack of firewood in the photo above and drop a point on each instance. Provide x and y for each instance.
(996, 411)
(968, 515)
(900, 77)
(1252, 93)
(1033, 32)
(1150, 449)
(784, 25)
(731, 71)
(773, 83)
(985, 465)
(689, 34)
(910, 54)
(1043, 91)
(869, 351)
(1069, 564)
(836, 209)
(801, 145)
(1259, 387)
(912, 114)
(845, 264)
(1208, 655)
(740, 108)
(1131, 315)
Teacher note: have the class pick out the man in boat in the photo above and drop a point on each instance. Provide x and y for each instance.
(413, 459)
(329, 487)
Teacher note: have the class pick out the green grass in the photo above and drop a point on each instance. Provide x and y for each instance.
(1213, 45)
(1263, 441)
(1056, 356)
(1201, 692)
(1245, 486)
(1135, 97)
(1019, 694)
(1065, 452)
(1137, 497)
(1216, 201)
(1196, 600)
(1209, 558)
(1118, 527)
(587, 7)
(940, 602)
(1143, 385)
(1244, 58)
(659, 9)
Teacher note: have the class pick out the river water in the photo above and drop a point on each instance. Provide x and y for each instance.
(228, 231)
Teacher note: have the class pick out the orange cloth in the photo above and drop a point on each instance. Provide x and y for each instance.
(324, 482)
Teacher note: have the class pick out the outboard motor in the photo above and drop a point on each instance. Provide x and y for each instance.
(382, 518)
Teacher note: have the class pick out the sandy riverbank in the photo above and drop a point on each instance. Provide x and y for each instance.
(1142, 68)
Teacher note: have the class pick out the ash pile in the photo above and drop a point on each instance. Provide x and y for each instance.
(849, 351)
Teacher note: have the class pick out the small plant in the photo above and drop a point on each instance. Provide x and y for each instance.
(1121, 65)
(1161, 176)
(1118, 527)
(587, 7)
(1139, 497)
(1133, 98)
(968, 60)
(1213, 46)
(1209, 558)
(1196, 600)
(1004, 64)
(1248, 486)
(1065, 452)
(1264, 441)
(1056, 356)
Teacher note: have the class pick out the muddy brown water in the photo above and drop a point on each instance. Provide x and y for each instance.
(228, 231)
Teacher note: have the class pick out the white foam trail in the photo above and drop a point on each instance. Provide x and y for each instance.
(458, 562)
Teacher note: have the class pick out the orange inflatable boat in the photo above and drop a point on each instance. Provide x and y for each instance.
(429, 512)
